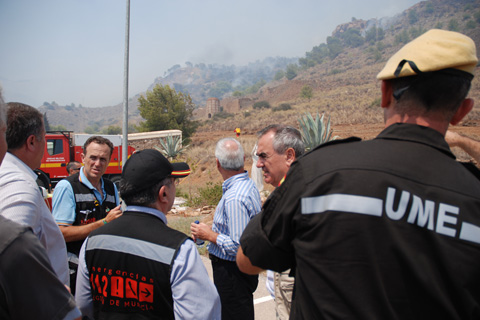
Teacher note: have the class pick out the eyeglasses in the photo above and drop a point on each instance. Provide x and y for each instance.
(76, 169)
(263, 156)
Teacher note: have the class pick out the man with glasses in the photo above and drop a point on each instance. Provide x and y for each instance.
(136, 267)
(386, 228)
(73, 167)
(278, 147)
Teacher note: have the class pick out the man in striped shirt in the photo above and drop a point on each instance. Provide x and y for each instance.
(239, 204)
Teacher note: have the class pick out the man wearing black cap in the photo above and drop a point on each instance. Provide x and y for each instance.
(137, 267)
(387, 228)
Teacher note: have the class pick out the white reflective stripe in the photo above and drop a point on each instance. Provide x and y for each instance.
(84, 197)
(344, 203)
(470, 232)
(131, 246)
(110, 198)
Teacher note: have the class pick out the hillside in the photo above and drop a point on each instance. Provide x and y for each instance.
(341, 73)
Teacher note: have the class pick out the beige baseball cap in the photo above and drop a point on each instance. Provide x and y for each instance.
(432, 51)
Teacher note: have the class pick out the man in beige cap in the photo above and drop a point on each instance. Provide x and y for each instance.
(387, 228)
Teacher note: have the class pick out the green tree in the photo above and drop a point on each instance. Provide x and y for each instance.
(335, 47)
(261, 104)
(279, 75)
(453, 25)
(353, 38)
(165, 109)
(471, 24)
(291, 72)
(402, 37)
(112, 130)
(429, 8)
(58, 128)
(220, 88)
(306, 92)
(476, 15)
(94, 128)
(412, 16)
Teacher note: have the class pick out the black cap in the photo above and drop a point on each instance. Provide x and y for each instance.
(147, 167)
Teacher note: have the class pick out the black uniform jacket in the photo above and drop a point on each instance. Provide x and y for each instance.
(381, 229)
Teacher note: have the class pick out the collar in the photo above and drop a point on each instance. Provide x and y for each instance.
(83, 179)
(281, 181)
(21, 165)
(154, 212)
(227, 184)
(418, 134)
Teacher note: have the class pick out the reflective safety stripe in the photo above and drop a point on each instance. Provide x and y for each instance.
(343, 202)
(470, 232)
(84, 197)
(131, 246)
(110, 198)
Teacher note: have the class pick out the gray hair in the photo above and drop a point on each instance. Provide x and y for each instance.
(145, 197)
(230, 155)
(285, 137)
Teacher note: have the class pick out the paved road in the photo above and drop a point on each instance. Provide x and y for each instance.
(264, 304)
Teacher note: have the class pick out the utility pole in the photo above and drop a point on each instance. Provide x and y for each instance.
(125, 89)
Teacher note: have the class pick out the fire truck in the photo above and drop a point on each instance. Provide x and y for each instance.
(61, 147)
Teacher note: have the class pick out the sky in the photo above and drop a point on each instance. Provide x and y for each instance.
(72, 51)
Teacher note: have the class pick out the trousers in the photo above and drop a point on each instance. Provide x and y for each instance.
(235, 289)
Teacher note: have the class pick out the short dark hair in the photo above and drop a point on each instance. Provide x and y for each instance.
(433, 91)
(145, 197)
(71, 164)
(285, 137)
(99, 140)
(22, 122)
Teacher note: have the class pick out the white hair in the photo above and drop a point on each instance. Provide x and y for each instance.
(230, 155)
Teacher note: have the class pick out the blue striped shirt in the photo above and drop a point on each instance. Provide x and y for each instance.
(239, 204)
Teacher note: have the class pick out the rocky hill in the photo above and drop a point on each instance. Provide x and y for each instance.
(340, 72)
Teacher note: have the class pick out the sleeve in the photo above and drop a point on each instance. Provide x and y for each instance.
(238, 217)
(30, 285)
(267, 239)
(194, 294)
(20, 199)
(83, 294)
(63, 204)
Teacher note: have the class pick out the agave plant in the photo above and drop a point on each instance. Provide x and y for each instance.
(315, 131)
(171, 146)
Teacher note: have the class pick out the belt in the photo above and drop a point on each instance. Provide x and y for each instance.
(217, 259)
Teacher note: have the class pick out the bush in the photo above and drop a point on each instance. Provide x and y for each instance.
(208, 196)
(222, 115)
(261, 105)
(306, 92)
(282, 107)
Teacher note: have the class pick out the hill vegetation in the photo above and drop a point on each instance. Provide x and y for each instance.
(336, 77)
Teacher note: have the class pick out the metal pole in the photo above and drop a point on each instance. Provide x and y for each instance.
(125, 89)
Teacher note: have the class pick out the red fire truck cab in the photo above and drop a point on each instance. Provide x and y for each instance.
(64, 146)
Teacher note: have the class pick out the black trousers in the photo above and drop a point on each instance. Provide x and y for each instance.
(235, 289)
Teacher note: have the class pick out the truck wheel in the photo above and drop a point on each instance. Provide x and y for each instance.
(43, 180)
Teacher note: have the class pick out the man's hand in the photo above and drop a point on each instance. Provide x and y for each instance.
(203, 231)
(113, 214)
